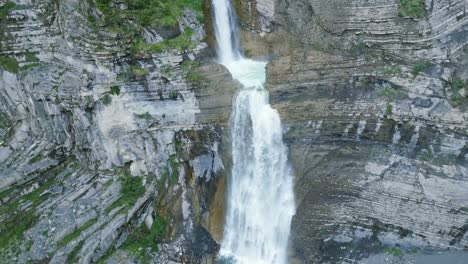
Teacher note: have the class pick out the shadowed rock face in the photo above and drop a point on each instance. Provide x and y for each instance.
(375, 122)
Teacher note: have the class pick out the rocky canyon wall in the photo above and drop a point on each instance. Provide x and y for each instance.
(112, 134)
(372, 95)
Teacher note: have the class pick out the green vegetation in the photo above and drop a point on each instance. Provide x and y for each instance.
(174, 170)
(4, 121)
(181, 42)
(142, 237)
(425, 155)
(358, 48)
(457, 99)
(147, 12)
(115, 90)
(144, 13)
(36, 159)
(193, 76)
(5, 9)
(16, 219)
(12, 65)
(389, 109)
(137, 72)
(173, 95)
(30, 57)
(32, 61)
(77, 233)
(9, 63)
(146, 116)
(189, 65)
(420, 66)
(132, 189)
(391, 70)
(189, 69)
(73, 256)
(458, 84)
(18, 222)
(392, 93)
(394, 251)
(170, 176)
(107, 100)
(411, 8)
(13, 230)
(167, 70)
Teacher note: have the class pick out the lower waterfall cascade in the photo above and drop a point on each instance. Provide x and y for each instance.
(260, 190)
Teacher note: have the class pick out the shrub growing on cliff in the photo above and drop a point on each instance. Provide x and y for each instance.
(115, 90)
(411, 8)
(420, 66)
(9, 63)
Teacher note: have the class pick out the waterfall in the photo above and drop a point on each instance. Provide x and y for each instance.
(260, 191)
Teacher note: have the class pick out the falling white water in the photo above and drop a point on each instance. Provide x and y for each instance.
(260, 195)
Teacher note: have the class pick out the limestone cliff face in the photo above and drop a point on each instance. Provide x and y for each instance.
(372, 96)
(104, 130)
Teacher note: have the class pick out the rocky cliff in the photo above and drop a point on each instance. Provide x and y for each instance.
(114, 143)
(373, 97)
(112, 127)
